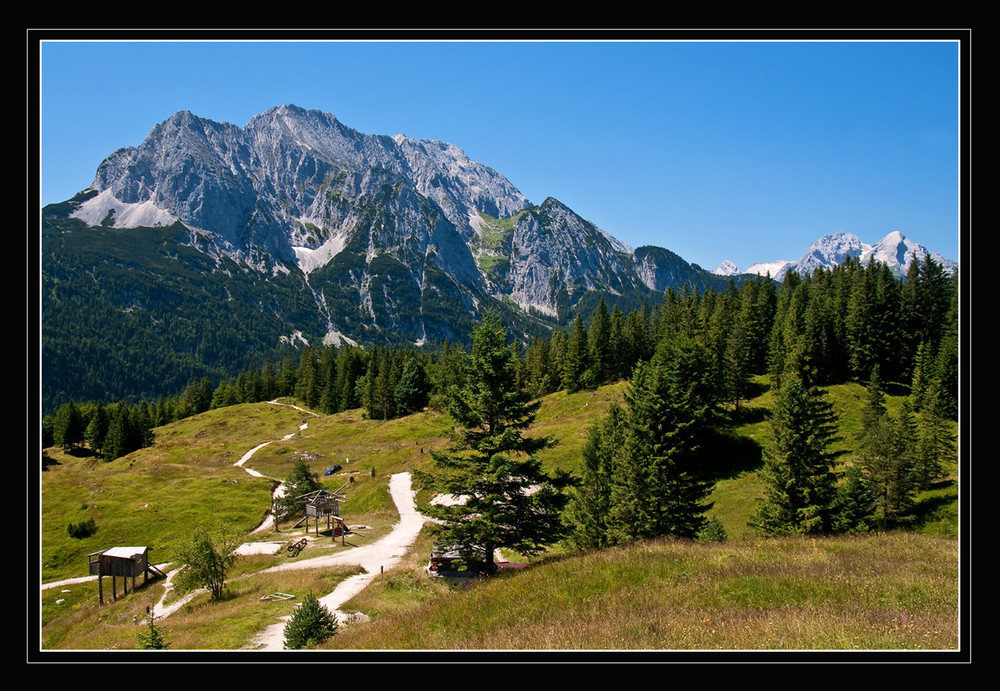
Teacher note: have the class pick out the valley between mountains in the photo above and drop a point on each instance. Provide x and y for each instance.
(210, 246)
(679, 459)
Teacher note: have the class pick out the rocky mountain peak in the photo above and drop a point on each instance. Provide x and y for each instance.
(392, 235)
(894, 249)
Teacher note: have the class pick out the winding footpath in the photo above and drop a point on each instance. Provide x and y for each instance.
(380, 556)
(374, 559)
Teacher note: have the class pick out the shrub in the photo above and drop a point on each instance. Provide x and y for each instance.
(311, 623)
(713, 531)
(82, 529)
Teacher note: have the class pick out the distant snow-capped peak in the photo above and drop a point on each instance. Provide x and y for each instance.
(894, 250)
(728, 268)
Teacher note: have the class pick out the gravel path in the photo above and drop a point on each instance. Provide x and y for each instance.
(374, 559)
(381, 555)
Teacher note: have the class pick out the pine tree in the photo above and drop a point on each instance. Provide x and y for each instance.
(735, 366)
(307, 387)
(226, 394)
(800, 485)
(379, 387)
(509, 501)
(152, 638)
(589, 508)
(116, 440)
(886, 457)
(412, 391)
(576, 362)
(599, 346)
(777, 346)
(557, 358)
(68, 427)
(874, 410)
(616, 347)
(97, 429)
(310, 623)
(659, 486)
(329, 396)
(920, 379)
(862, 323)
(637, 341)
(935, 442)
(540, 378)
(854, 505)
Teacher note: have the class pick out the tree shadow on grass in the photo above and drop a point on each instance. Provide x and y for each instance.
(728, 455)
(749, 415)
(937, 508)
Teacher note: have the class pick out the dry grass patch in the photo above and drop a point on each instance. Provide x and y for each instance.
(887, 592)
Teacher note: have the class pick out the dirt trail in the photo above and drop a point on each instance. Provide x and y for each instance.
(374, 559)
(381, 555)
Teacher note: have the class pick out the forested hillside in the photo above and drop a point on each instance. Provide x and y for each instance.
(688, 361)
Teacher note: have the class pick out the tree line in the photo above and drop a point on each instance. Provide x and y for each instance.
(686, 358)
(646, 467)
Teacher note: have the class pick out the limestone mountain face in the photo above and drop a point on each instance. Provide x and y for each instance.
(392, 235)
(290, 181)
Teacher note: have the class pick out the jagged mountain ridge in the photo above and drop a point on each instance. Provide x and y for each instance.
(210, 245)
(895, 250)
(298, 189)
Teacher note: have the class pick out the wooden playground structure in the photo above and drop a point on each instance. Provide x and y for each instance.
(322, 504)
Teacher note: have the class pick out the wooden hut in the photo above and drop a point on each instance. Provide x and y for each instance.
(124, 562)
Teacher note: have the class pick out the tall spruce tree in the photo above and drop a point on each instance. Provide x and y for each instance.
(508, 500)
(413, 390)
(599, 346)
(935, 441)
(576, 372)
(97, 429)
(589, 509)
(68, 427)
(659, 483)
(886, 457)
(116, 441)
(800, 485)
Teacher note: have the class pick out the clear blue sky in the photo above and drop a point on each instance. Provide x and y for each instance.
(746, 151)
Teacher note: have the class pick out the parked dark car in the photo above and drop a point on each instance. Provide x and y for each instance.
(332, 469)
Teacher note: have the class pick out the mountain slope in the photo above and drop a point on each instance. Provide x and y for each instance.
(312, 232)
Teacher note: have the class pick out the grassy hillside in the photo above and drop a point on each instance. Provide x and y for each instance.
(896, 591)
(883, 592)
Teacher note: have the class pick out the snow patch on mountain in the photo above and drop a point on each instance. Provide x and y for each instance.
(120, 214)
(310, 259)
(774, 269)
(896, 250)
(831, 250)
